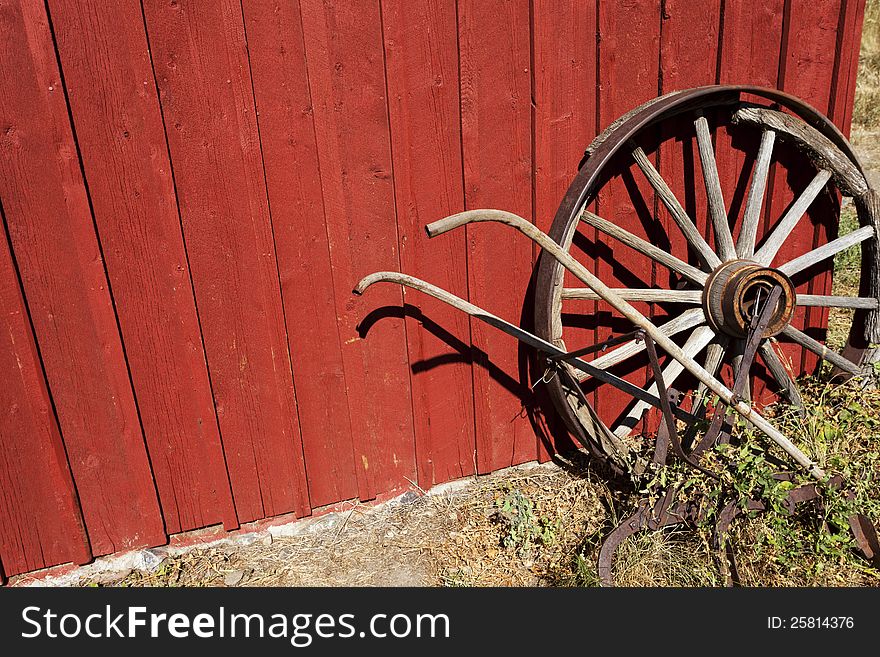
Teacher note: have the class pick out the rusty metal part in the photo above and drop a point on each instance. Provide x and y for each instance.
(725, 552)
(732, 292)
(664, 432)
(665, 513)
(865, 535)
(599, 346)
(757, 330)
(671, 432)
(863, 531)
(646, 516)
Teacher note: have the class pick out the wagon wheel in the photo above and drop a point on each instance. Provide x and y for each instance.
(712, 289)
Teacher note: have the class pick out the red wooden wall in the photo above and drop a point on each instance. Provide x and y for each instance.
(191, 188)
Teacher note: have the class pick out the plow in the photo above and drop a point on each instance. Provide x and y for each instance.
(728, 298)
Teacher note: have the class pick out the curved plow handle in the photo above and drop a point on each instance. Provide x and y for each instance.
(633, 315)
(513, 330)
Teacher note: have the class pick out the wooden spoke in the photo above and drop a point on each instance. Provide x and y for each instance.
(714, 357)
(786, 225)
(683, 322)
(698, 341)
(723, 237)
(826, 250)
(820, 350)
(781, 374)
(830, 301)
(652, 295)
(644, 247)
(682, 220)
(745, 244)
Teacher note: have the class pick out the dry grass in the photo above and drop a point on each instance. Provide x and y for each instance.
(847, 267)
(840, 430)
(866, 112)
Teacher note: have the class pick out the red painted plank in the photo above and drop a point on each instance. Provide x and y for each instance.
(346, 75)
(421, 55)
(112, 94)
(40, 521)
(62, 271)
(293, 177)
(689, 44)
(565, 45)
(629, 51)
(808, 72)
(200, 59)
(688, 58)
(494, 44)
(689, 36)
(748, 28)
(565, 54)
(751, 32)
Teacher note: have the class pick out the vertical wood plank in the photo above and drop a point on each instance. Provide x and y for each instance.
(346, 76)
(62, 270)
(40, 521)
(751, 34)
(749, 28)
(629, 52)
(201, 65)
(494, 44)
(293, 178)
(808, 72)
(565, 40)
(689, 44)
(112, 94)
(565, 62)
(689, 37)
(688, 58)
(421, 54)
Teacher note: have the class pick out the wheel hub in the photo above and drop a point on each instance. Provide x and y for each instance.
(736, 290)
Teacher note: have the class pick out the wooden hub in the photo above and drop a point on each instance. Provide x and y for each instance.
(736, 290)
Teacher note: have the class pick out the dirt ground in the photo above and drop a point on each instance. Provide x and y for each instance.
(454, 536)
